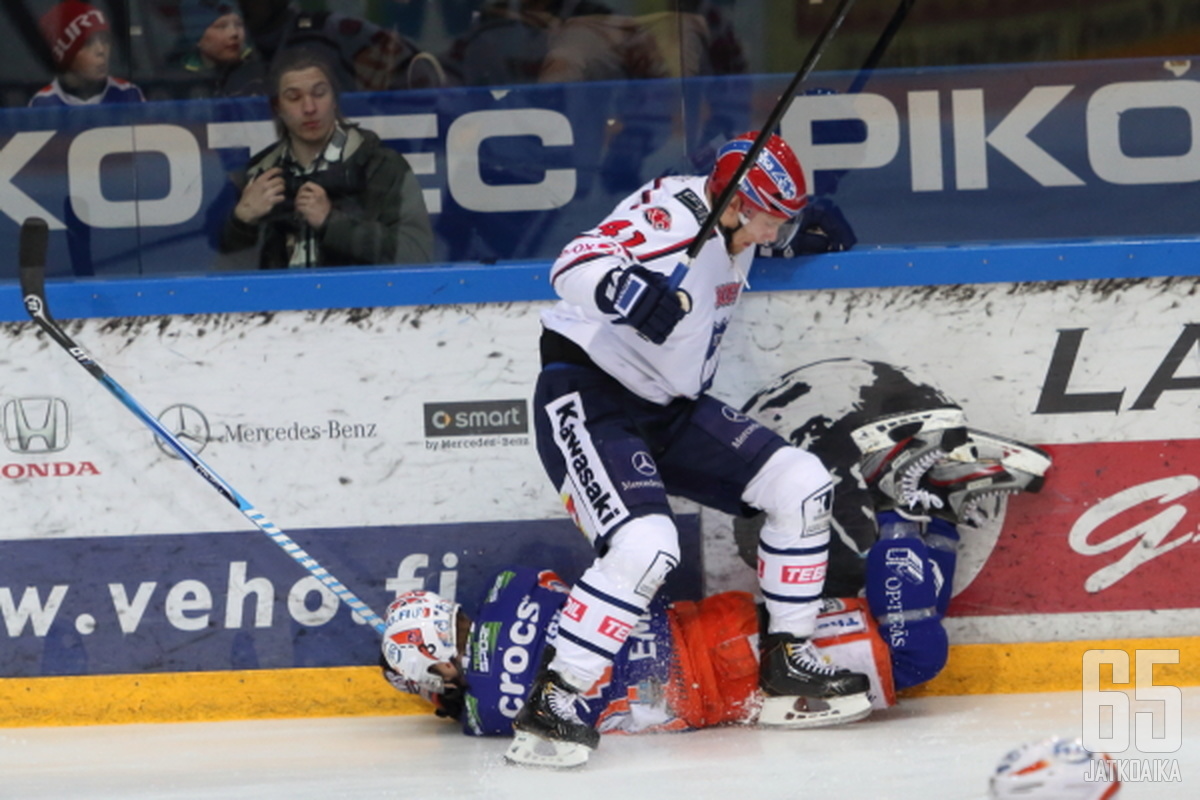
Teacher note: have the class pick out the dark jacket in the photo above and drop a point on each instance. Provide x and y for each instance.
(378, 214)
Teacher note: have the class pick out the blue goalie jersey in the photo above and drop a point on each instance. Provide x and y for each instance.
(519, 616)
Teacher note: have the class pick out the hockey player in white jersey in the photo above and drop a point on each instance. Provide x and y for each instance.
(623, 420)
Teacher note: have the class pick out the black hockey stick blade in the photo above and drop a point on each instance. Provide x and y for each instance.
(35, 236)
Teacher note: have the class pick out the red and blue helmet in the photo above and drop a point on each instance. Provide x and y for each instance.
(775, 184)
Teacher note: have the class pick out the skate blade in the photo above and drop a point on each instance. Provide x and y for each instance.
(1012, 454)
(530, 750)
(881, 433)
(809, 712)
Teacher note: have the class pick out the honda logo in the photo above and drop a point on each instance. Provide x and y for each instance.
(36, 425)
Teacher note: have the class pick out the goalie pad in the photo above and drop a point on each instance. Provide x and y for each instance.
(848, 634)
(716, 651)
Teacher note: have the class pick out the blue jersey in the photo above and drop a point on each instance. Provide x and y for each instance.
(115, 91)
(695, 664)
(518, 618)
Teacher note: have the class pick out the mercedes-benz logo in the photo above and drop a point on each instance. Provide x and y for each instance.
(643, 463)
(188, 424)
(733, 415)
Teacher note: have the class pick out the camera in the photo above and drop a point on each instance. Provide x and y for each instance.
(338, 180)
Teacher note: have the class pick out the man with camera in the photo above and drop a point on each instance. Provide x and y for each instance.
(328, 193)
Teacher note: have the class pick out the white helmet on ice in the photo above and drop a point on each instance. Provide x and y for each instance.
(421, 631)
(1054, 769)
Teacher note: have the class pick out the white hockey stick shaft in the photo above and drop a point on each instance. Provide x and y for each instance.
(34, 237)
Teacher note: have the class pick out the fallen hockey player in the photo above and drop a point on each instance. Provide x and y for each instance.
(693, 665)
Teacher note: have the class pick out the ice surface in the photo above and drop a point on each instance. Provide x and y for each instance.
(937, 748)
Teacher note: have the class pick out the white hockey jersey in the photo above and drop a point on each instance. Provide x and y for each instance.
(654, 226)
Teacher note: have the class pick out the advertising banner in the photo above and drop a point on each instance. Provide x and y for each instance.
(1115, 531)
(220, 601)
(1103, 374)
(990, 154)
(395, 444)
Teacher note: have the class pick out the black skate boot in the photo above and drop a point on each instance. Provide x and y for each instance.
(801, 690)
(549, 732)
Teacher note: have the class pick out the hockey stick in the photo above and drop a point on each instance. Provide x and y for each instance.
(881, 45)
(781, 107)
(828, 184)
(34, 238)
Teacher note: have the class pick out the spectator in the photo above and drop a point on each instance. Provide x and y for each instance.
(610, 47)
(362, 56)
(508, 41)
(217, 58)
(81, 43)
(327, 193)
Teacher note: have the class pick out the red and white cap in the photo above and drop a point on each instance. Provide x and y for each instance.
(67, 28)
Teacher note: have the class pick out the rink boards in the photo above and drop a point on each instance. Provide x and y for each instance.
(382, 419)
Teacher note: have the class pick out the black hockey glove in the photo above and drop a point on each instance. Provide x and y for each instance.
(642, 298)
(823, 229)
(450, 703)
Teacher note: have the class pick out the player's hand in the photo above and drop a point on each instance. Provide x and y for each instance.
(313, 204)
(823, 229)
(260, 196)
(644, 299)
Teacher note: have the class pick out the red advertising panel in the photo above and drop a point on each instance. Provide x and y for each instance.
(1114, 529)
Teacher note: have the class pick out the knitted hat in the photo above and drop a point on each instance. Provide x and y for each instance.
(67, 27)
(196, 15)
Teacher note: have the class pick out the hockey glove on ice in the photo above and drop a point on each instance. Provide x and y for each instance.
(642, 298)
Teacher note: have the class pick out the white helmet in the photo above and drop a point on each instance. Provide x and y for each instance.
(421, 631)
(1054, 769)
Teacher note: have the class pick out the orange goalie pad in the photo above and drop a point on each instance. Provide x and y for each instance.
(848, 634)
(716, 676)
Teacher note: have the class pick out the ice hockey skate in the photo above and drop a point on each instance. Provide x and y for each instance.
(801, 689)
(898, 450)
(1014, 455)
(549, 732)
(968, 485)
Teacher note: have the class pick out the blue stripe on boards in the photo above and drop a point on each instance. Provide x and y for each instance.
(291, 290)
